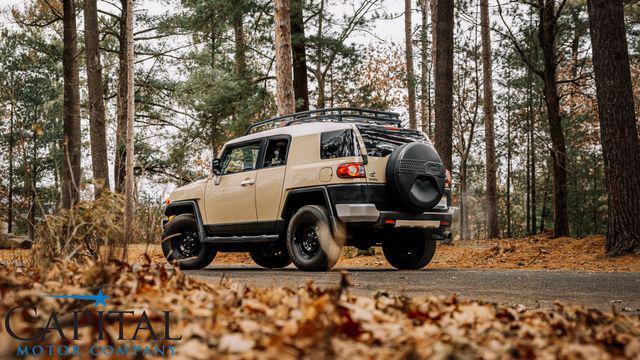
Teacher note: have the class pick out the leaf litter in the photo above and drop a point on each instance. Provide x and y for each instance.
(229, 320)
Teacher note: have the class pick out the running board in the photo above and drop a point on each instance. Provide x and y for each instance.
(241, 239)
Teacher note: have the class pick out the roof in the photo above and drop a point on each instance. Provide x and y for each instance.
(296, 130)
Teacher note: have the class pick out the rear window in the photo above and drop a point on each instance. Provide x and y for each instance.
(337, 144)
(381, 142)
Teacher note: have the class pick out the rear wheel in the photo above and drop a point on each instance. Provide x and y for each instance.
(181, 243)
(409, 251)
(310, 239)
(271, 256)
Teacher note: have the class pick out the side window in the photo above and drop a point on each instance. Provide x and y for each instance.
(276, 154)
(336, 144)
(242, 158)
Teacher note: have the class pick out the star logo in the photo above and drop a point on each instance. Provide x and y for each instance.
(100, 298)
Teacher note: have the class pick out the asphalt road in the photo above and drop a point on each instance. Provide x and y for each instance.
(510, 287)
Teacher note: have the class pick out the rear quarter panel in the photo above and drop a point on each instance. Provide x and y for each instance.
(304, 166)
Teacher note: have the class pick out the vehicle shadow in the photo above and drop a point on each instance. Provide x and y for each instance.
(292, 269)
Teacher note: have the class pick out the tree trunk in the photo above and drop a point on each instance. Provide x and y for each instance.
(33, 173)
(425, 93)
(528, 185)
(71, 174)
(298, 41)
(411, 86)
(121, 126)
(444, 82)
(547, 34)
(434, 32)
(11, 146)
(618, 127)
(489, 137)
(97, 132)
(240, 48)
(509, 156)
(464, 213)
(284, 82)
(594, 196)
(532, 149)
(129, 210)
(319, 75)
(545, 196)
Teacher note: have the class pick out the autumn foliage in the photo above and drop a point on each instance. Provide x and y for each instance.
(231, 320)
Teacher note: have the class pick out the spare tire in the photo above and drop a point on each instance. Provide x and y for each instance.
(415, 176)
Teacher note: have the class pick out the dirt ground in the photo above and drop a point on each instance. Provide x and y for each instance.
(531, 253)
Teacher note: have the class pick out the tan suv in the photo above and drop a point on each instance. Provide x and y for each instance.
(310, 183)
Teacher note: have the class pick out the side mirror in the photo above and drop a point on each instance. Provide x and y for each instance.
(216, 166)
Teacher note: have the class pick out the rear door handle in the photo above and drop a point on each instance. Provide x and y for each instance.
(247, 182)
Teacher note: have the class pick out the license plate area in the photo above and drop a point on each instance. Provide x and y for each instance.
(428, 224)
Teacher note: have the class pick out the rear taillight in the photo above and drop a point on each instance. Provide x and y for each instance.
(351, 170)
(447, 179)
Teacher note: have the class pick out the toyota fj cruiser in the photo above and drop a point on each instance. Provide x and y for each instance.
(297, 188)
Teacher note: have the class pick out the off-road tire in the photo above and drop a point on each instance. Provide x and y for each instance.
(409, 251)
(271, 256)
(174, 237)
(312, 223)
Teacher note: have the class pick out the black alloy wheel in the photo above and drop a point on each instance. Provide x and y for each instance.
(306, 240)
(187, 244)
(181, 244)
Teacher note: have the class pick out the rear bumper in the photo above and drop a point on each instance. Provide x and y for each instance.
(368, 213)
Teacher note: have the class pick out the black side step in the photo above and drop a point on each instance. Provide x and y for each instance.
(238, 240)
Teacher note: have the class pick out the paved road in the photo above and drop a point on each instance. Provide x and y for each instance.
(511, 287)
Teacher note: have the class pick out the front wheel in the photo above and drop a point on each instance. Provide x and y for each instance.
(409, 251)
(181, 243)
(271, 256)
(310, 239)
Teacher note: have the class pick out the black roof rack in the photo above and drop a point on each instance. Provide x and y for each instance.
(343, 114)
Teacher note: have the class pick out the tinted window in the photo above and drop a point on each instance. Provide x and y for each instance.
(241, 158)
(276, 154)
(336, 144)
(381, 142)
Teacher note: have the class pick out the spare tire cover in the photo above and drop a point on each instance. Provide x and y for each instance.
(415, 176)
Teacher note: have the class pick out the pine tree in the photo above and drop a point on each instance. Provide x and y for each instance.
(618, 127)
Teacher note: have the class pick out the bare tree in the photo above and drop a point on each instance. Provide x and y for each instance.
(71, 170)
(549, 13)
(284, 83)
(408, 40)
(325, 63)
(444, 82)
(618, 127)
(129, 210)
(97, 129)
(489, 135)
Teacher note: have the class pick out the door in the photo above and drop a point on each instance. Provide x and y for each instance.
(230, 199)
(270, 181)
